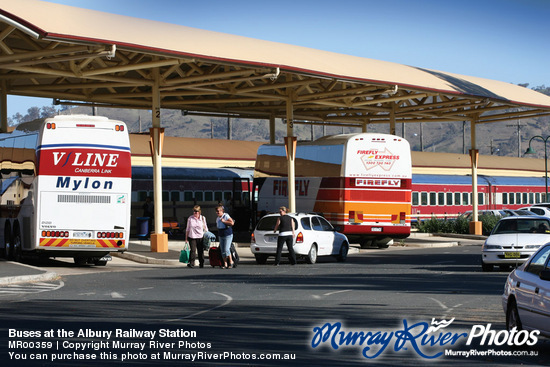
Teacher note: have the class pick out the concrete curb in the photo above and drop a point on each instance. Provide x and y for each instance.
(50, 275)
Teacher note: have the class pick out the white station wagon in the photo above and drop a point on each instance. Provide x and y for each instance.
(315, 237)
(513, 240)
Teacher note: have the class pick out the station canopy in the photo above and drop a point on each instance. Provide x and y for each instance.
(73, 54)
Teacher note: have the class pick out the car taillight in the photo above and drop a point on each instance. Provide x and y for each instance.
(252, 239)
(300, 238)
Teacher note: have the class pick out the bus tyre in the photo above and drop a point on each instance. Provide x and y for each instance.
(17, 250)
(312, 255)
(343, 255)
(99, 262)
(80, 261)
(365, 244)
(7, 243)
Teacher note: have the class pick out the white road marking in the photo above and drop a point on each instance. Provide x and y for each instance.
(228, 300)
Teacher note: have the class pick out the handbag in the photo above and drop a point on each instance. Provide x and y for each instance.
(184, 254)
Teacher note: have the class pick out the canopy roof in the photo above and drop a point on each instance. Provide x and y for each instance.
(74, 54)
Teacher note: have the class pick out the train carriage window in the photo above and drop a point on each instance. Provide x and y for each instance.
(175, 196)
(424, 198)
(188, 196)
(505, 198)
(433, 198)
(142, 195)
(465, 198)
(537, 197)
(525, 199)
(531, 198)
(208, 196)
(449, 198)
(441, 198)
(518, 198)
(457, 198)
(481, 198)
(218, 196)
(226, 195)
(498, 198)
(199, 196)
(511, 197)
(415, 198)
(165, 196)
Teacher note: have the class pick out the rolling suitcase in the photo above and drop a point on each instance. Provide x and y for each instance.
(215, 256)
(234, 254)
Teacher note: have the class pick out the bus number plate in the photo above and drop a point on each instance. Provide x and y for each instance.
(82, 234)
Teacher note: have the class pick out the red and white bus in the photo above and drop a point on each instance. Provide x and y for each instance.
(66, 189)
(361, 183)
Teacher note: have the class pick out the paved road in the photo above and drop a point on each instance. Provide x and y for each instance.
(255, 310)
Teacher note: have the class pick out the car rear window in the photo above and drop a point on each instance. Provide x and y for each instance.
(268, 223)
(523, 226)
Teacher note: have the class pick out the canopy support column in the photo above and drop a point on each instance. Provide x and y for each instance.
(475, 225)
(271, 129)
(290, 145)
(159, 239)
(4, 108)
(392, 119)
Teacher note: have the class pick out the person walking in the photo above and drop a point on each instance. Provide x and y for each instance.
(196, 227)
(285, 225)
(224, 223)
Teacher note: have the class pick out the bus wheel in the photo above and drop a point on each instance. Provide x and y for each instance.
(312, 255)
(7, 243)
(80, 261)
(99, 262)
(365, 244)
(17, 250)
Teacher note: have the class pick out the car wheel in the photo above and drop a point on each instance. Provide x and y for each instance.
(343, 255)
(512, 316)
(261, 259)
(312, 255)
(486, 267)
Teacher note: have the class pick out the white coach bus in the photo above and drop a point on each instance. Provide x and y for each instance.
(65, 189)
(361, 183)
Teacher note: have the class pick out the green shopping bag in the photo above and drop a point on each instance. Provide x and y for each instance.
(184, 254)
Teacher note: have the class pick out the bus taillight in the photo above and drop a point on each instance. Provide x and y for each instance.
(300, 238)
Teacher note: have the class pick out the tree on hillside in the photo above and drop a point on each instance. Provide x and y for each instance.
(33, 113)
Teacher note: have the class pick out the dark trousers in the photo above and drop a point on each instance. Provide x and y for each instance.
(289, 240)
(196, 246)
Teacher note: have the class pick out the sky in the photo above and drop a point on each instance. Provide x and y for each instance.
(505, 40)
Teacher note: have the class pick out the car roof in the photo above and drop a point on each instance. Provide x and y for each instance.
(519, 217)
(293, 215)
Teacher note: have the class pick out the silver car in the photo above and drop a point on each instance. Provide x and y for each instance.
(526, 298)
(315, 237)
(513, 240)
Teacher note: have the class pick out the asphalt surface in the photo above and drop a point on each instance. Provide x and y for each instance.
(140, 251)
